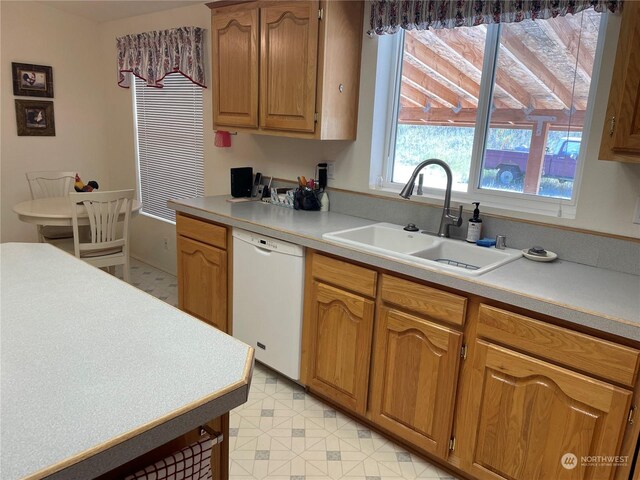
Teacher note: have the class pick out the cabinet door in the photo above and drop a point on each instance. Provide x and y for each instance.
(341, 325)
(621, 132)
(414, 377)
(202, 281)
(627, 135)
(234, 48)
(523, 416)
(288, 65)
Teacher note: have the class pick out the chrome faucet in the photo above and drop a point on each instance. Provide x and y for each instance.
(447, 219)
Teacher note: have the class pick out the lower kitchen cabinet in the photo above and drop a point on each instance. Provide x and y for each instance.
(337, 330)
(493, 393)
(522, 417)
(414, 376)
(202, 281)
(415, 362)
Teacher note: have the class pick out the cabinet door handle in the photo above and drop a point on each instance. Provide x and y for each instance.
(612, 126)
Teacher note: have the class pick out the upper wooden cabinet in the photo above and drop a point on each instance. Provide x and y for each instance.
(288, 62)
(305, 79)
(621, 135)
(234, 39)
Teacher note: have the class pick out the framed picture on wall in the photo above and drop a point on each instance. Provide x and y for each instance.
(35, 118)
(32, 80)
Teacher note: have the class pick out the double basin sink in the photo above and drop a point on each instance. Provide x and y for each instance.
(428, 250)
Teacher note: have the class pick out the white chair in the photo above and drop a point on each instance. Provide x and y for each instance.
(51, 184)
(109, 214)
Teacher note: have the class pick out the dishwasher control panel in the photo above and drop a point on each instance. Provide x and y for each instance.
(267, 243)
(261, 242)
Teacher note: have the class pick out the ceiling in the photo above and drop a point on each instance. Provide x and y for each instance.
(543, 70)
(107, 10)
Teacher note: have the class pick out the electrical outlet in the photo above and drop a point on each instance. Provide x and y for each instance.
(165, 243)
(331, 168)
(636, 215)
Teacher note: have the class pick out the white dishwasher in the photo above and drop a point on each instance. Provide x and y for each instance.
(268, 286)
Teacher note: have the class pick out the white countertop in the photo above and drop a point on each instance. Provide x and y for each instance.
(95, 371)
(602, 299)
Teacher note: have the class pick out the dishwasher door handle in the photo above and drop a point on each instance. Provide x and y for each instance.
(263, 251)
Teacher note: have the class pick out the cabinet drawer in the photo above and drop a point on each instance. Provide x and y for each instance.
(205, 232)
(575, 350)
(345, 275)
(424, 300)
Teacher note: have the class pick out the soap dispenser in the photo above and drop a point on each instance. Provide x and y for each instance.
(475, 225)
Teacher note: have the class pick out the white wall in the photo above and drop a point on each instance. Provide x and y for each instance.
(36, 33)
(606, 199)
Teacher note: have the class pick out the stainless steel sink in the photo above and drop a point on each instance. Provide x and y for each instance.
(427, 250)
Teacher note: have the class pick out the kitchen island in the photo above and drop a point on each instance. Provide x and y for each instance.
(96, 373)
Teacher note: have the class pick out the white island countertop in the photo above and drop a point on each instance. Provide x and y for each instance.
(596, 298)
(96, 372)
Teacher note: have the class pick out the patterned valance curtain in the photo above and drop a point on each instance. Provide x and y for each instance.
(387, 16)
(153, 55)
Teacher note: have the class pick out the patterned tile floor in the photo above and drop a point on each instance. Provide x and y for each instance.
(283, 433)
(161, 285)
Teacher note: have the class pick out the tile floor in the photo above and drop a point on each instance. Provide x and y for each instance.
(281, 432)
(161, 285)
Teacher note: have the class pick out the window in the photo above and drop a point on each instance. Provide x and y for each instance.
(503, 105)
(170, 143)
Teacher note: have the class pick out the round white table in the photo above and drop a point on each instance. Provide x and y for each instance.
(56, 211)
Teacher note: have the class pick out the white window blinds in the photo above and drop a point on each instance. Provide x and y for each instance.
(170, 137)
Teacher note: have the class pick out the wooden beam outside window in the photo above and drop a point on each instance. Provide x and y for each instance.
(503, 116)
(413, 94)
(423, 81)
(535, 163)
(514, 46)
(567, 37)
(442, 67)
(471, 51)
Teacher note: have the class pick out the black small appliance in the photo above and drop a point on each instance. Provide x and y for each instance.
(241, 181)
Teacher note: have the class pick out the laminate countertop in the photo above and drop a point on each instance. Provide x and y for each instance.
(96, 372)
(596, 298)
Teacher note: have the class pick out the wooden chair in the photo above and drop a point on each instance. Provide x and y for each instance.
(51, 184)
(109, 214)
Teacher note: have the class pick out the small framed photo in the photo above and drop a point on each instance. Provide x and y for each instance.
(32, 80)
(35, 118)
